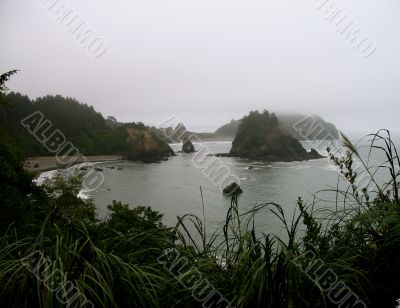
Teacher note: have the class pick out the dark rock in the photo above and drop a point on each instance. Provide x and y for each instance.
(188, 147)
(83, 169)
(314, 154)
(98, 169)
(222, 155)
(260, 136)
(299, 126)
(232, 188)
(144, 145)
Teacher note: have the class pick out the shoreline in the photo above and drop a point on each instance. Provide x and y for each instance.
(41, 164)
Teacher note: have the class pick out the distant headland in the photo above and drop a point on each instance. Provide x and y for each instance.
(258, 135)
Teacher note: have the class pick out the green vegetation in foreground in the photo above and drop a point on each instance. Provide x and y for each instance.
(52, 247)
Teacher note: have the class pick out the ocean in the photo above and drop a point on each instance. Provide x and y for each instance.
(173, 187)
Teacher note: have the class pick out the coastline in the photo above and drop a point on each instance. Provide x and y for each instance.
(47, 163)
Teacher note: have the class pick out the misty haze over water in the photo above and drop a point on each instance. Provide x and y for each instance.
(208, 62)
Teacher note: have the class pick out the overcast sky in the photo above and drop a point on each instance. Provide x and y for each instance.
(208, 61)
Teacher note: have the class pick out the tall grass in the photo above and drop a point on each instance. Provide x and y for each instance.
(108, 272)
(359, 241)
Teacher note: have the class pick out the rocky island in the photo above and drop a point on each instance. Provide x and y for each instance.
(300, 126)
(261, 136)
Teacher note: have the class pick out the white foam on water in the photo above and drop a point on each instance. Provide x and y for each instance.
(330, 167)
(301, 167)
(47, 176)
(246, 178)
(83, 194)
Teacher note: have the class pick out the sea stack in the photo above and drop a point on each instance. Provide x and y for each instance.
(188, 147)
(143, 145)
(260, 136)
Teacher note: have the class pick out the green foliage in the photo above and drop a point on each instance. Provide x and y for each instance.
(252, 128)
(298, 126)
(114, 262)
(56, 267)
(21, 200)
(55, 252)
(261, 136)
(85, 128)
(123, 219)
(64, 205)
(3, 89)
(82, 126)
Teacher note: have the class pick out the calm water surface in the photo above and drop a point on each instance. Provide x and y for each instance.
(173, 187)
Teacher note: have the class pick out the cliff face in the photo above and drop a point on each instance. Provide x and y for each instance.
(261, 136)
(144, 145)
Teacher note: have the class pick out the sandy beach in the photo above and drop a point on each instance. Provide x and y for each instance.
(46, 163)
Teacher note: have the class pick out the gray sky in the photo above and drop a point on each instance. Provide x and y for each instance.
(207, 61)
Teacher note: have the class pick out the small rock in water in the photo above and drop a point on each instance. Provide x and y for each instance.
(232, 188)
(188, 147)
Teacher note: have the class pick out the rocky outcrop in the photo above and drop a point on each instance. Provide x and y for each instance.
(180, 133)
(188, 147)
(298, 126)
(260, 136)
(143, 145)
(232, 188)
(172, 134)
